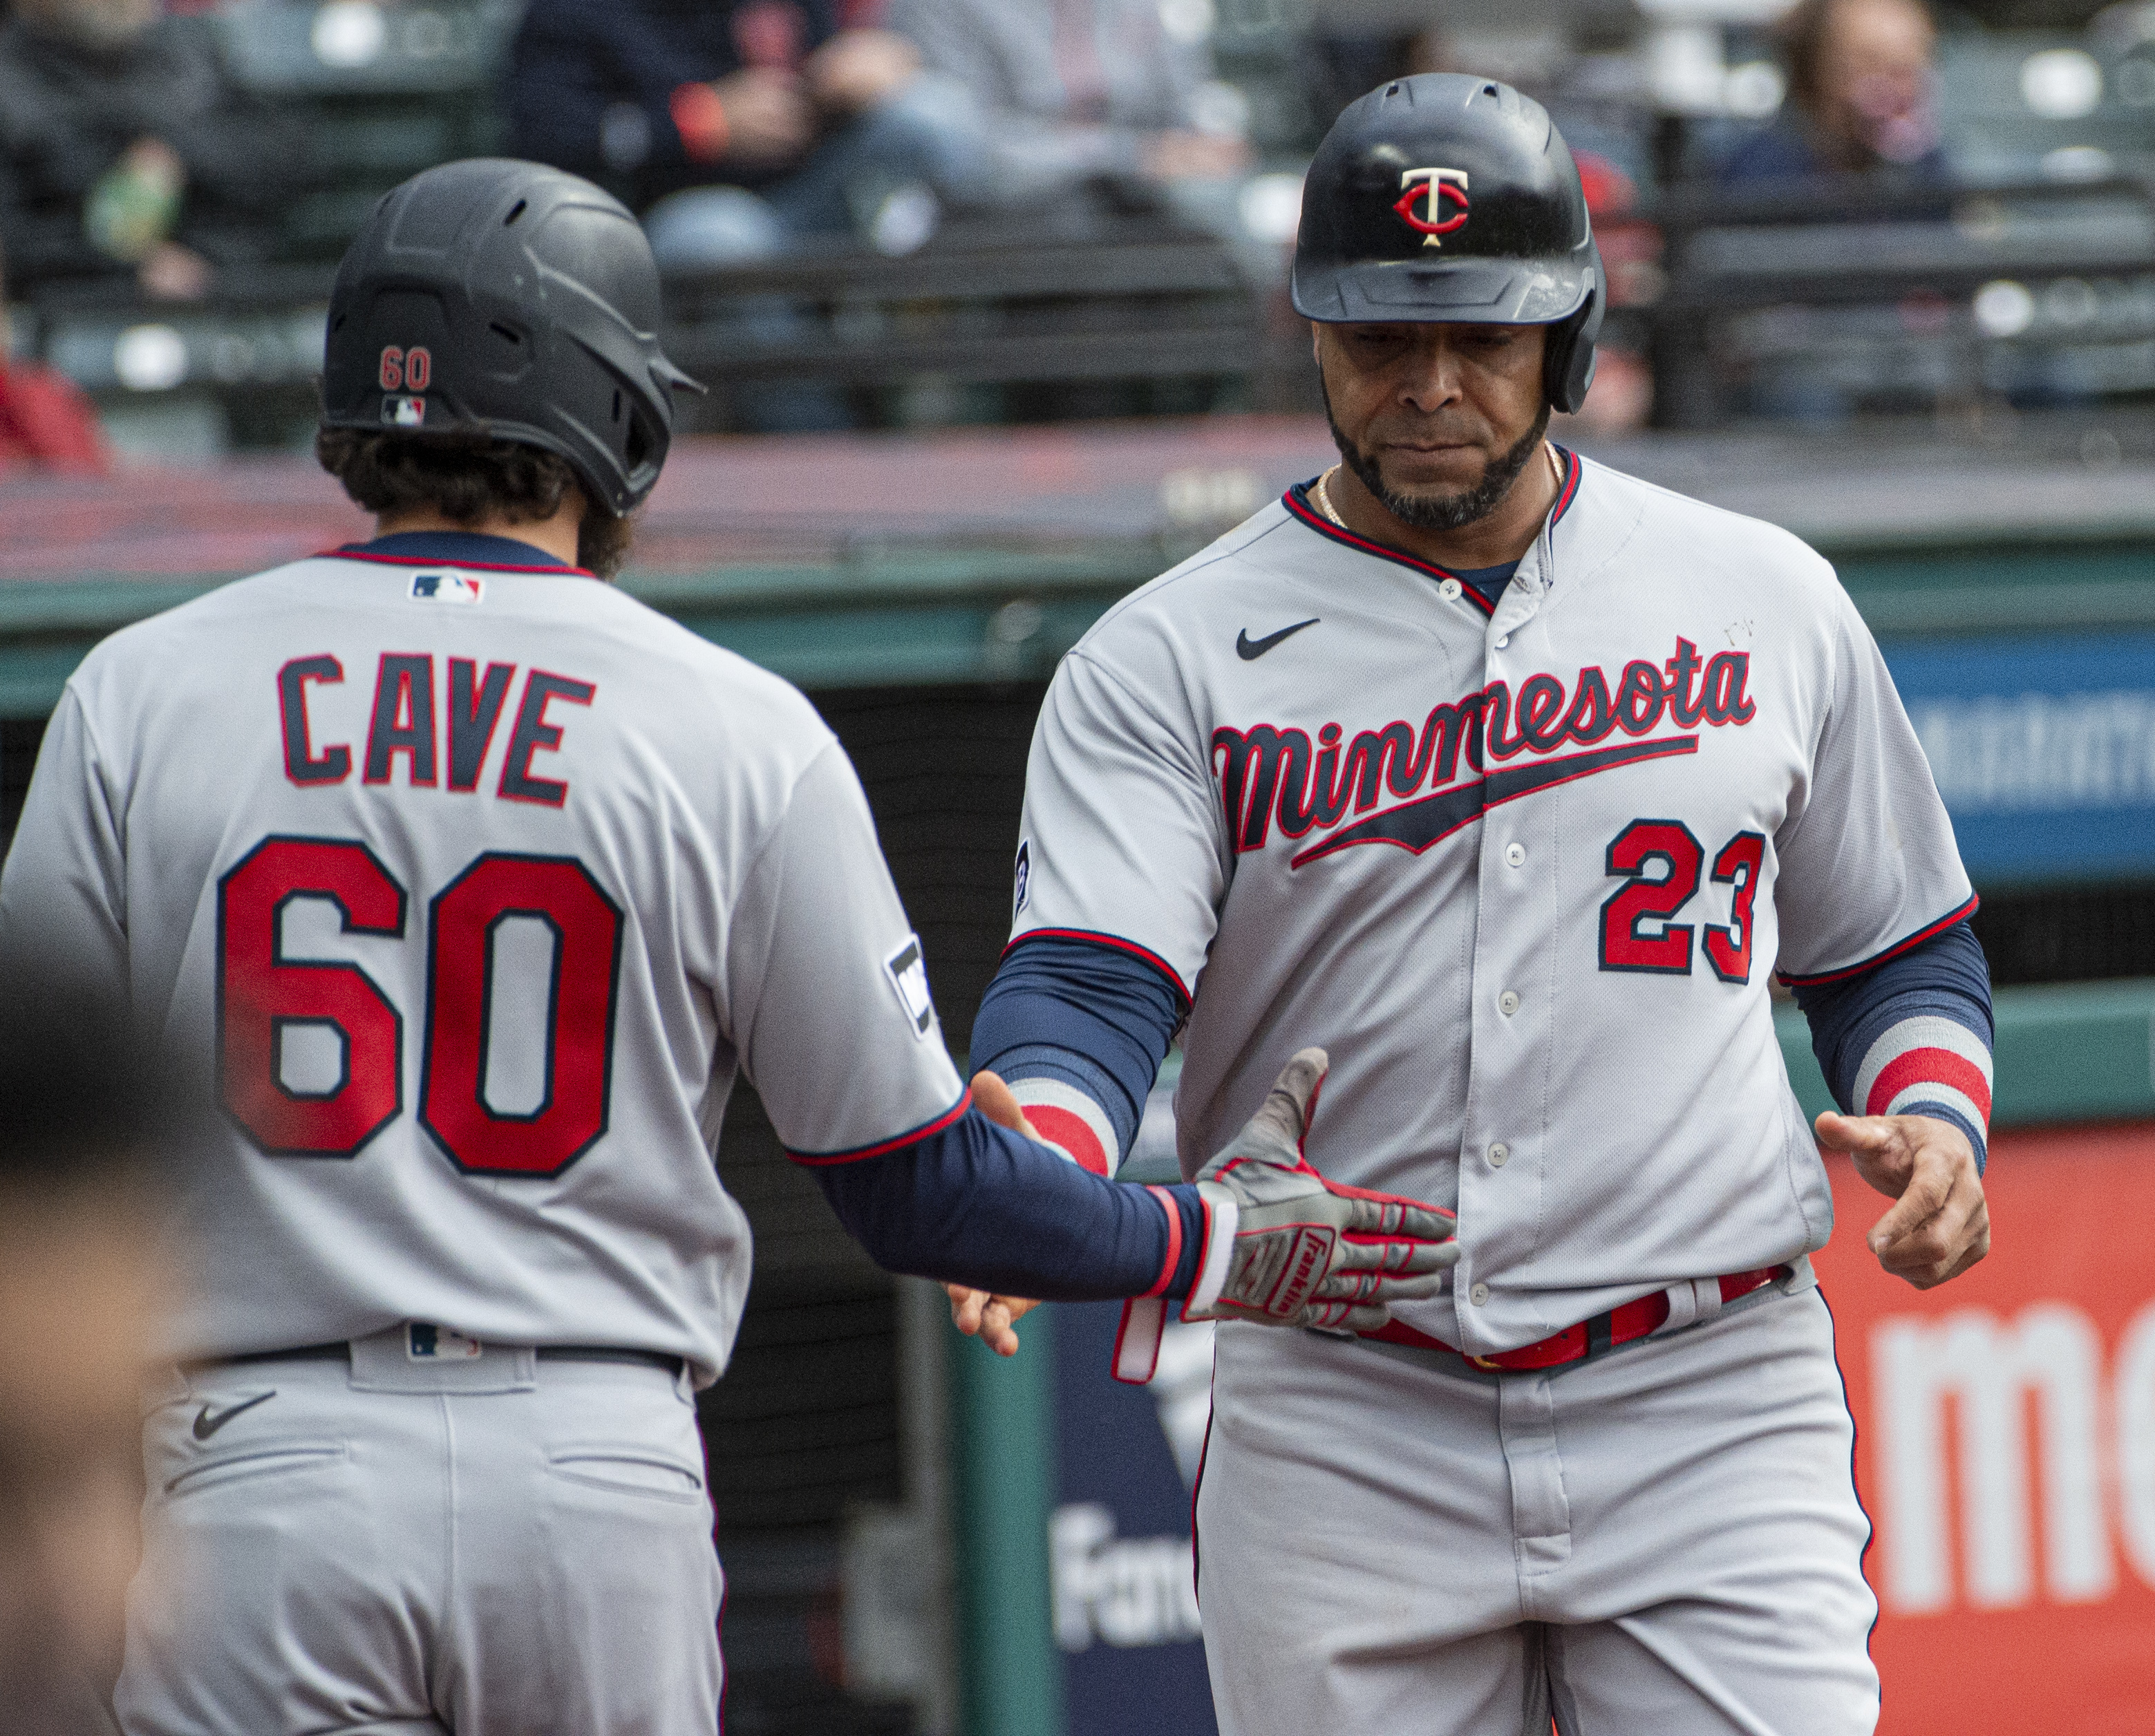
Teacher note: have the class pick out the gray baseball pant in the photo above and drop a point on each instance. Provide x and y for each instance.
(503, 1546)
(1664, 1541)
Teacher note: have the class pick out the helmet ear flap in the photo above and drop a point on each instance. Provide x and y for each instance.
(1569, 366)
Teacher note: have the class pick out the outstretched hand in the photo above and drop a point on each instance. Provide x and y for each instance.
(1307, 1251)
(993, 1319)
(1941, 1226)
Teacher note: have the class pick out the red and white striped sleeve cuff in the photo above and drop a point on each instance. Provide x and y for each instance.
(1926, 1060)
(1067, 1119)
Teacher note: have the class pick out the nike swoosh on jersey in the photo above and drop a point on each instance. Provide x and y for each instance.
(207, 1425)
(1250, 650)
(1415, 826)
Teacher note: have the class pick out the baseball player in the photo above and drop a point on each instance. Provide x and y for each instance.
(467, 885)
(1511, 778)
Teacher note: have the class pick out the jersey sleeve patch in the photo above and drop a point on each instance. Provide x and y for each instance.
(907, 971)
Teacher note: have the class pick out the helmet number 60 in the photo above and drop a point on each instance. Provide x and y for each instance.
(406, 369)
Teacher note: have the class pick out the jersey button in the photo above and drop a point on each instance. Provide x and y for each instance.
(1478, 1295)
(1515, 853)
(1503, 640)
(1500, 1154)
(1449, 591)
(1508, 1003)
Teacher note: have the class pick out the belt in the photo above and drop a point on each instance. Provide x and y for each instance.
(1588, 1338)
(341, 1351)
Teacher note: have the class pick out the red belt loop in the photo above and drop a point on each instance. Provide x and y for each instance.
(1623, 1324)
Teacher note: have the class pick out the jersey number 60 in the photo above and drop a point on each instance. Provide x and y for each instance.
(262, 995)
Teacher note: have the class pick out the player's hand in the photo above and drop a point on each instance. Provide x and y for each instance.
(975, 1313)
(1941, 1226)
(768, 117)
(856, 69)
(1308, 1251)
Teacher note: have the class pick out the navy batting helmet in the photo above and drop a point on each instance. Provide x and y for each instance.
(511, 300)
(1447, 197)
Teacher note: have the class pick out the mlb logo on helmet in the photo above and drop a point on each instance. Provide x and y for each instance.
(1433, 186)
(404, 412)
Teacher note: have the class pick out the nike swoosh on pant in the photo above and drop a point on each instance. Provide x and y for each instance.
(206, 1425)
(1416, 826)
(1250, 650)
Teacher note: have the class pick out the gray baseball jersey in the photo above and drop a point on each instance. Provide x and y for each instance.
(1524, 871)
(468, 891)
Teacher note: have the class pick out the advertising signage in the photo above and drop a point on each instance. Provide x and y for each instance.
(2005, 1453)
(2044, 748)
(1123, 1586)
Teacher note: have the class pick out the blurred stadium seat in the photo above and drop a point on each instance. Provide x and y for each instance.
(1832, 301)
(387, 88)
(997, 321)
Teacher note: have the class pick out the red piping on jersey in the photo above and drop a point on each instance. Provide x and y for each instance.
(1428, 569)
(1174, 1240)
(818, 1159)
(1877, 959)
(1131, 947)
(1572, 470)
(582, 573)
(1294, 501)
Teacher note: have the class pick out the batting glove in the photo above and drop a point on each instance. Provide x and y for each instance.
(1286, 1247)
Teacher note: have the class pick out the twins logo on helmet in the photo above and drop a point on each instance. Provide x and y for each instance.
(1433, 184)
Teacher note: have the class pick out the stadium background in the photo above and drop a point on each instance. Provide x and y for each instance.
(918, 1540)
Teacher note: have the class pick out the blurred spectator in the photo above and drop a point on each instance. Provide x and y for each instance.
(128, 153)
(45, 421)
(749, 124)
(79, 1285)
(1115, 93)
(1861, 95)
(1622, 396)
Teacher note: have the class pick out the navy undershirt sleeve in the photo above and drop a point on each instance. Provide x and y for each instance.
(977, 1204)
(1082, 1011)
(1947, 976)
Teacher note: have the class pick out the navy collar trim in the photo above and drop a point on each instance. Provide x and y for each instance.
(1296, 501)
(468, 548)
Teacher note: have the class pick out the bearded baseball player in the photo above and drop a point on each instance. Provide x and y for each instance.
(466, 886)
(1511, 779)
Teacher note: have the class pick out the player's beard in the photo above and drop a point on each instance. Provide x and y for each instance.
(1442, 512)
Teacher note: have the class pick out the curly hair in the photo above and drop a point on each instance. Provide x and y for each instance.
(468, 478)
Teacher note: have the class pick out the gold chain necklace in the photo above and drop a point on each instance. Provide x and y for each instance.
(1323, 500)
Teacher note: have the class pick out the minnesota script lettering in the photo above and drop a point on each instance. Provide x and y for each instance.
(1270, 776)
